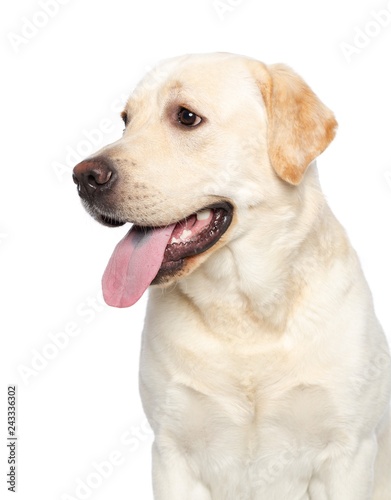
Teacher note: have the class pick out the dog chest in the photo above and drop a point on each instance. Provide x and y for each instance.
(236, 440)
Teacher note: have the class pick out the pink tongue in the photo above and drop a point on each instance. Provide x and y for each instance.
(134, 264)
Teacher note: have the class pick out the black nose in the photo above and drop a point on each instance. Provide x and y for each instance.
(93, 177)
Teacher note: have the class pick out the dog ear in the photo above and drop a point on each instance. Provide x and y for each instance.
(300, 126)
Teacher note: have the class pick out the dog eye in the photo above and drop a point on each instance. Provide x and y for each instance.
(188, 118)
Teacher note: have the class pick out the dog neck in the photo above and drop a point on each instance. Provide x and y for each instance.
(263, 275)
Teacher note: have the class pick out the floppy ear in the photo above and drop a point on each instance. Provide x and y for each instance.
(300, 126)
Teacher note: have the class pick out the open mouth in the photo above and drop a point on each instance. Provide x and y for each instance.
(195, 234)
(147, 255)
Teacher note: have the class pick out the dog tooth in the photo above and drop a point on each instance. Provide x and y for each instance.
(186, 233)
(204, 214)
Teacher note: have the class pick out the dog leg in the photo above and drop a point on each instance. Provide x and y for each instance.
(173, 479)
(347, 476)
(383, 462)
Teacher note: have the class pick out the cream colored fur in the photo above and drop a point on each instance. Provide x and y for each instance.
(264, 372)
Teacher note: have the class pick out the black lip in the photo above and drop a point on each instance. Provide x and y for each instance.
(206, 239)
(176, 254)
(110, 221)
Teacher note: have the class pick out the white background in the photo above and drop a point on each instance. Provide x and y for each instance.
(74, 72)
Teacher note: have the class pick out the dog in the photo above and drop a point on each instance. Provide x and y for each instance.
(264, 371)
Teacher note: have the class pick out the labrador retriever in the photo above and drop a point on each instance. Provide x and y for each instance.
(264, 371)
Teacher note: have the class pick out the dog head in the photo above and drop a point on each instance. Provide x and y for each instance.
(206, 138)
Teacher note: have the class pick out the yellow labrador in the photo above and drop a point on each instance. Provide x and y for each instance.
(264, 371)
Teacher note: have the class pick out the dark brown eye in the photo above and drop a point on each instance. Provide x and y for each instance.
(188, 118)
